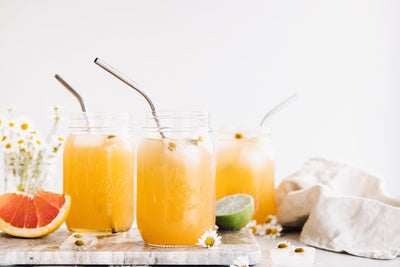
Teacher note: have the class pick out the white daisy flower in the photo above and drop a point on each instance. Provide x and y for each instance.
(78, 241)
(252, 226)
(240, 261)
(209, 239)
(271, 219)
(273, 230)
(284, 244)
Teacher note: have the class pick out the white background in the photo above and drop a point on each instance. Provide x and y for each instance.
(235, 59)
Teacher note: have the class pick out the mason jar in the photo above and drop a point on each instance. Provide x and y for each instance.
(245, 164)
(98, 172)
(175, 179)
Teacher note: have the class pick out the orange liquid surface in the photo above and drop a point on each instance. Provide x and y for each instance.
(243, 166)
(175, 192)
(99, 177)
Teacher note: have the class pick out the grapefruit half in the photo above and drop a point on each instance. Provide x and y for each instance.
(26, 215)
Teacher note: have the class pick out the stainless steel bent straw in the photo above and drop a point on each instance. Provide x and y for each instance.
(132, 84)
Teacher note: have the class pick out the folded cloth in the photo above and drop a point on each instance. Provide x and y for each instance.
(341, 208)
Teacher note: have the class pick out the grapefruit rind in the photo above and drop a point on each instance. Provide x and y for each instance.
(39, 231)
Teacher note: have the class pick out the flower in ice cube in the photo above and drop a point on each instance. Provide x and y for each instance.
(271, 219)
(209, 239)
(273, 230)
(240, 261)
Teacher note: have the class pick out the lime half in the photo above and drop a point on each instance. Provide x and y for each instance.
(234, 212)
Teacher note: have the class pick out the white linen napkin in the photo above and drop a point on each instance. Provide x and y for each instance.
(341, 208)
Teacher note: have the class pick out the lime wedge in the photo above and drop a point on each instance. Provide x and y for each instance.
(234, 212)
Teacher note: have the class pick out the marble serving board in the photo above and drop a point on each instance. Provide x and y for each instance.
(126, 248)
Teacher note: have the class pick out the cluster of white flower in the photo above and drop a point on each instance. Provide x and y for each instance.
(271, 228)
(26, 153)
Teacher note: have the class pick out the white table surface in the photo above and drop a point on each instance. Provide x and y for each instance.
(323, 258)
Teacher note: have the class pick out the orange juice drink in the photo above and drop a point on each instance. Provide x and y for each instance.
(99, 176)
(245, 165)
(175, 189)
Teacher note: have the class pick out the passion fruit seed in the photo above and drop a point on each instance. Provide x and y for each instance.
(299, 250)
(79, 243)
(282, 245)
(238, 136)
(171, 146)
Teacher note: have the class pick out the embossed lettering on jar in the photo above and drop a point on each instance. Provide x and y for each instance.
(175, 182)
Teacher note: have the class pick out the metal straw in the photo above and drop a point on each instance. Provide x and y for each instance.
(278, 107)
(75, 93)
(132, 84)
(80, 99)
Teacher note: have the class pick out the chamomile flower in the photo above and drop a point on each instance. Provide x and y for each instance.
(78, 241)
(209, 239)
(271, 219)
(273, 230)
(252, 226)
(284, 244)
(240, 261)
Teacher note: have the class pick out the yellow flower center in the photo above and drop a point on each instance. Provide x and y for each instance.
(282, 245)
(238, 136)
(253, 229)
(20, 141)
(79, 243)
(24, 126)
(8, 146)
(0, 122)
(4, 138)
(77, 235)
(57, 117)
(209, 242)
(33, 132)
(268, 220)
(274, 231)
(268, 231)
(201, 139)
(11, 124)
(60, 139)
(38, 142)
(299, 250)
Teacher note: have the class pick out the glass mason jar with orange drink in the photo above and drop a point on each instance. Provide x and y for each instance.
(175, 179)
(245, 164)
(99, 171)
